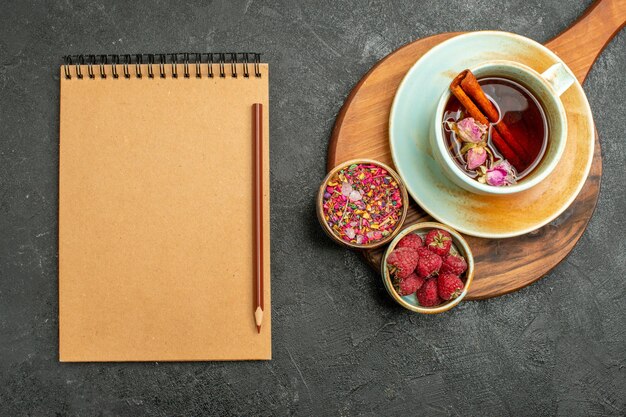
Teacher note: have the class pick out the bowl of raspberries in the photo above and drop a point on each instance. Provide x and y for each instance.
(428, 268)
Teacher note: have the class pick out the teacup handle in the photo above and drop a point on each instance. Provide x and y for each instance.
(559, 77)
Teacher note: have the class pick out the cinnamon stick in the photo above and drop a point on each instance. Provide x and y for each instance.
(469, 84)
(498, 141)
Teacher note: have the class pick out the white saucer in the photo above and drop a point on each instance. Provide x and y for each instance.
(410, 126)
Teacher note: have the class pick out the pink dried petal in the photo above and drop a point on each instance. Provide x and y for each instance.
(470, 130)
(350, 233)
(476, 157)
(355, 196)
(502, 173)
(496, 177)
(505, 165)
(346, 188)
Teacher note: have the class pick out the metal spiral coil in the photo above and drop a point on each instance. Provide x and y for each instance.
(132, 64)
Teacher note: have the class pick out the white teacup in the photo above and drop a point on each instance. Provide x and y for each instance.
(546, 88)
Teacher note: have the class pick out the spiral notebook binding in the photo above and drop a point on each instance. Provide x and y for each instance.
(103, 62)
(138, 62)
(198, 67)
(92, 59)
(186, 65)
(222, 59)
(126, 63)
(132, 64)
(210, 65)
(115, 61)
(150, 64)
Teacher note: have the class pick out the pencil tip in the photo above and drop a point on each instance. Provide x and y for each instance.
(258, 329)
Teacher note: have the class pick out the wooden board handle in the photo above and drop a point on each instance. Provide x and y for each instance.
(580, 45)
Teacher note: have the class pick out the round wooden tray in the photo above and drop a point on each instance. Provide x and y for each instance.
(361, 131)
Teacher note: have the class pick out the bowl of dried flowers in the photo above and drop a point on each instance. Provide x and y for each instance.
(361, 204)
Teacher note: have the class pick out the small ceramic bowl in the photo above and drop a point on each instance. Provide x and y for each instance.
(410, 301)
(320, 203)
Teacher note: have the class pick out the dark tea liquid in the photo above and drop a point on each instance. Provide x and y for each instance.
(521, 112)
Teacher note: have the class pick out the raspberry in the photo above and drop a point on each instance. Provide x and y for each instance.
(428, 262)
(455, 264)
(427, 295)
(438, 241)
(402, 261)
(410, 284)
(412, 241)
(449, 286)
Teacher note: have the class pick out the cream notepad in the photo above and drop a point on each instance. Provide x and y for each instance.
(156, 209)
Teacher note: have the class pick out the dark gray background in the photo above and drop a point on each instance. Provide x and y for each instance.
(340, 346)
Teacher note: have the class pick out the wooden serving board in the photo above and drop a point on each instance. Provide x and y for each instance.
(361, 131)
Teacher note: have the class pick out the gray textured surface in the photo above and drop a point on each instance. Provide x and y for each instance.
(340, 346)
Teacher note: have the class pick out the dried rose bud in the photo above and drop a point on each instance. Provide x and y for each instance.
(469, 130)
(476, 157)
(502, 173)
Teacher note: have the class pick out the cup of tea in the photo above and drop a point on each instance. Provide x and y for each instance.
(501, 127)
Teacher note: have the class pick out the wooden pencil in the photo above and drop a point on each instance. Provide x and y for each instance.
(257, 132)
